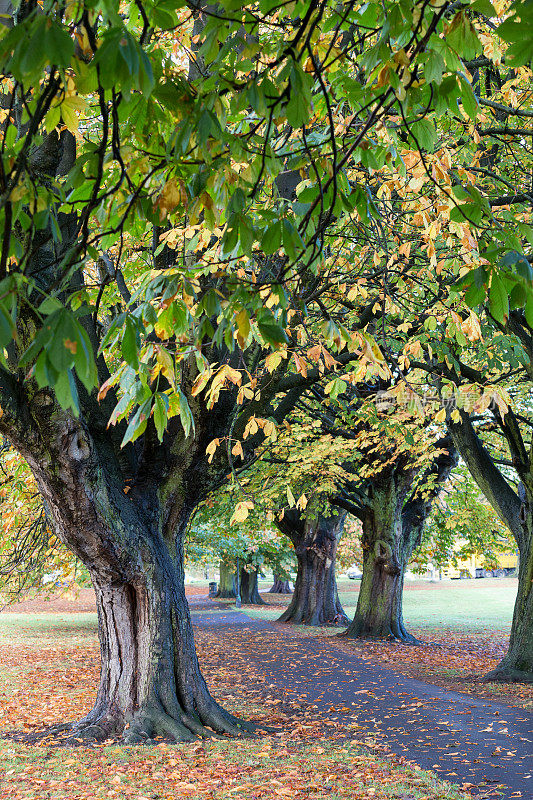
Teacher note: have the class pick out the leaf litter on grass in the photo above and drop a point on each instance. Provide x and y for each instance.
(305, 757)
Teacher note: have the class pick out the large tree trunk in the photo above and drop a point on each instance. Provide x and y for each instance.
(131, 540)
(518, 662)
(393, 520)
(516, 510)
(150, 681)
(387, 549)
(315, 600)
(280, 586)
(249, 588)
(226, 584)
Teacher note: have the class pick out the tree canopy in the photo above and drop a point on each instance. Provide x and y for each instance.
(207, 210)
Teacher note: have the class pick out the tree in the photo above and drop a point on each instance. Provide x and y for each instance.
(315, 537)
(31, 557)
(393, 515)
(249, 586)
(226, 584)
(310, 469)
(281, 585)
(148, 252)
(462, 524)
(250, 546)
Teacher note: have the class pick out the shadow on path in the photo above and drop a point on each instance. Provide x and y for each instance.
(466, 741)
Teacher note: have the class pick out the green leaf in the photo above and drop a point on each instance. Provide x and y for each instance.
(137, 424)
(470, 101)
(63, 346)
(423, 130)
(66, 391)
(462, 37)
(161, 404)
(7, 328)
(474, 296)
(434, 67)
(270, 330)
(128, 345)
(187, 419)
(59, 45)
(271, 241)
(484, 7)
(498, 299)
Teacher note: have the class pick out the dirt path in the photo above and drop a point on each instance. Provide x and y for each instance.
(485, 747)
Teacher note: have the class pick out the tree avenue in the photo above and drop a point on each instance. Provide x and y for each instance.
(165, 286)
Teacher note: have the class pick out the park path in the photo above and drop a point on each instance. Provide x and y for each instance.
(487, 746)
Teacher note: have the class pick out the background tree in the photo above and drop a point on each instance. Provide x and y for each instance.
(31, 557)
(254, 545)
(462, 524)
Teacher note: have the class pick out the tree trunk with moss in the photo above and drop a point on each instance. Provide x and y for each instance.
(249, 588)
(280, 586)
(226, 583)
(515, 508)
(130, 537)
(517, 665)
(315, 600)
(393, 521)
(385, 557)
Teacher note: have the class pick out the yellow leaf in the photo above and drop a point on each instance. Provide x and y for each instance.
(211, 447)
(302, 502)
(200, 382)
(237, 450)
(241, 512)
(251, 428)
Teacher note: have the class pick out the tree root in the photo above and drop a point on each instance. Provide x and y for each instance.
(395, 634)
(313, 621)
(210, 721)
(503, 674)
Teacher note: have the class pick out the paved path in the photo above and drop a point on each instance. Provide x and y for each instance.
(464, 740)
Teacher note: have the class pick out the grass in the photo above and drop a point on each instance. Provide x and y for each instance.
(42, 629)
(222, 770)
(50, 668)
(460, 605)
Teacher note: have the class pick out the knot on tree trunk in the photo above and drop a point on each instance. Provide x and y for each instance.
(79, 448)
(384, 555)
(382, 550)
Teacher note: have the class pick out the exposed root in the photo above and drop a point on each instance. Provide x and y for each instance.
(503, 674)
(314, 621)
(393, 634)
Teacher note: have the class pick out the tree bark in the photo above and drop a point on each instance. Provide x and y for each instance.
(131, 540)
(517, 665)
(516, 510)
(226, 584)
(280, 586)
(315, 600)
(379, 612)
(249, 588)
(393, 521)
(150, 681)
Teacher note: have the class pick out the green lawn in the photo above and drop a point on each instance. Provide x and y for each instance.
(469, 604)
(46, 629)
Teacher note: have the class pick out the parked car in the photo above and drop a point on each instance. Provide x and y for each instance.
(354, 573)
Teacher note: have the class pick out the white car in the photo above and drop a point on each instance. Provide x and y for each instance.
(354, 573)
